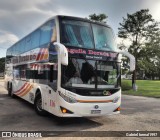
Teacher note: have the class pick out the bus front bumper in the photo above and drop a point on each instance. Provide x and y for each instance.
(88, 109)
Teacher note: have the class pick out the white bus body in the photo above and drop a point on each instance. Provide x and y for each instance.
(39, 67)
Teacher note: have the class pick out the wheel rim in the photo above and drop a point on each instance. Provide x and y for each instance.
(39, 104)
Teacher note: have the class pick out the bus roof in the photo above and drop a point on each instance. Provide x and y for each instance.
(63, 17)
(82, 19)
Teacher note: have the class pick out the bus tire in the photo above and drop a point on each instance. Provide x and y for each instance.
(9, 90)
(10, 93)
(38, 105)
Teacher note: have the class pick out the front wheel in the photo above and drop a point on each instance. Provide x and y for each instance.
(38, 106)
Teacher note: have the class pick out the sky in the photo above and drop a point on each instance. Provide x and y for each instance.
(20, 17)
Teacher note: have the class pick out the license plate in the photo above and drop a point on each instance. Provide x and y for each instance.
(95, 111)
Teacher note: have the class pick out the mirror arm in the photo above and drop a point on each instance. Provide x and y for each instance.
(131, 58)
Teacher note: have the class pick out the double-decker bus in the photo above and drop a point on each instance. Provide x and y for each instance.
(69, 67)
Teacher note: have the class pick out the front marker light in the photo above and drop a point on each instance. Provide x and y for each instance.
(64, 110)
(117, 109)
(68, 98)
(115, 100)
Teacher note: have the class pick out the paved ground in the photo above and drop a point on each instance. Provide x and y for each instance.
(138, 113)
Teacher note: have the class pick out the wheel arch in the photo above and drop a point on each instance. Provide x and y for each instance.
(38, 91)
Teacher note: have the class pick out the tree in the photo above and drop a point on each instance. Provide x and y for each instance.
(2, 64)
(138, 28)
(100, 17)
(152, 54)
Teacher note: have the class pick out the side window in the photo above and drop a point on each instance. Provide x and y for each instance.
(23, 45)
(28, 43)
(46, 30)
(53, 76)
(53, 55)
(53, 32)
(8, 55)
(19, 72)
(16, 72)
(12, 51)
(23, 72)
(18, 49)
(35, 39)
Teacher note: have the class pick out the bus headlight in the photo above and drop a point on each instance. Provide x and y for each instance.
(116, 99)
(68, 98)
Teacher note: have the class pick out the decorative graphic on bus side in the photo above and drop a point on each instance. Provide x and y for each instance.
(26, 88)
(43, 54)
(37, 54)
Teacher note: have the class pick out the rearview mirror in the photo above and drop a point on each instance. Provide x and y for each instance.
(62, 53)
(131, 58)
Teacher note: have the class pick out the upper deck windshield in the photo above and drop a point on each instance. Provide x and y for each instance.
(87, 35)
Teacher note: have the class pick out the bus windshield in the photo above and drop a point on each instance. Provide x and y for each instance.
(104, 39)
(82, 73)
(87, 35)
(77, 34)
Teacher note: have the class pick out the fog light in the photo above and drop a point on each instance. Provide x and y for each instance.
(118, 109)
(64, 110)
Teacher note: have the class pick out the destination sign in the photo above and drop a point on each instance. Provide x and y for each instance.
(92, 54)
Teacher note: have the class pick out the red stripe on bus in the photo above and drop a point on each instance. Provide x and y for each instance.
(45, 54)
(20, 88)
(23, 89)
(39, 54)
(27, 91)
(42, 54)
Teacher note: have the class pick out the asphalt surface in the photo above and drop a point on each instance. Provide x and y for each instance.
(137, 114)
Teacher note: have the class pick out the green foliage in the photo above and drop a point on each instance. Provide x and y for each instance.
(137, 27)
(143, 32)
(2, 64)
(126, 85)
(147, 88)
(100, 17)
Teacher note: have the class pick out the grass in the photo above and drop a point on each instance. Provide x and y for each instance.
(148, 88)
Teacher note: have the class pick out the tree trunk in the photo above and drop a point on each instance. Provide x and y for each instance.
(134, 74)
(133, 78)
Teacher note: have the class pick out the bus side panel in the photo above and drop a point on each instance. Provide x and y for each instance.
(8, 74)
(23, 89)
(49, 99)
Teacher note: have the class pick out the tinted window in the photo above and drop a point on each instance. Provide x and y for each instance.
(20, 47)
(16, 49)
(90, 72)
(77, 33)
(28, 43)
(104, 39)
(45, 33)
(8, 52)
(35, 39)
(13, 51)
(23, 45)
